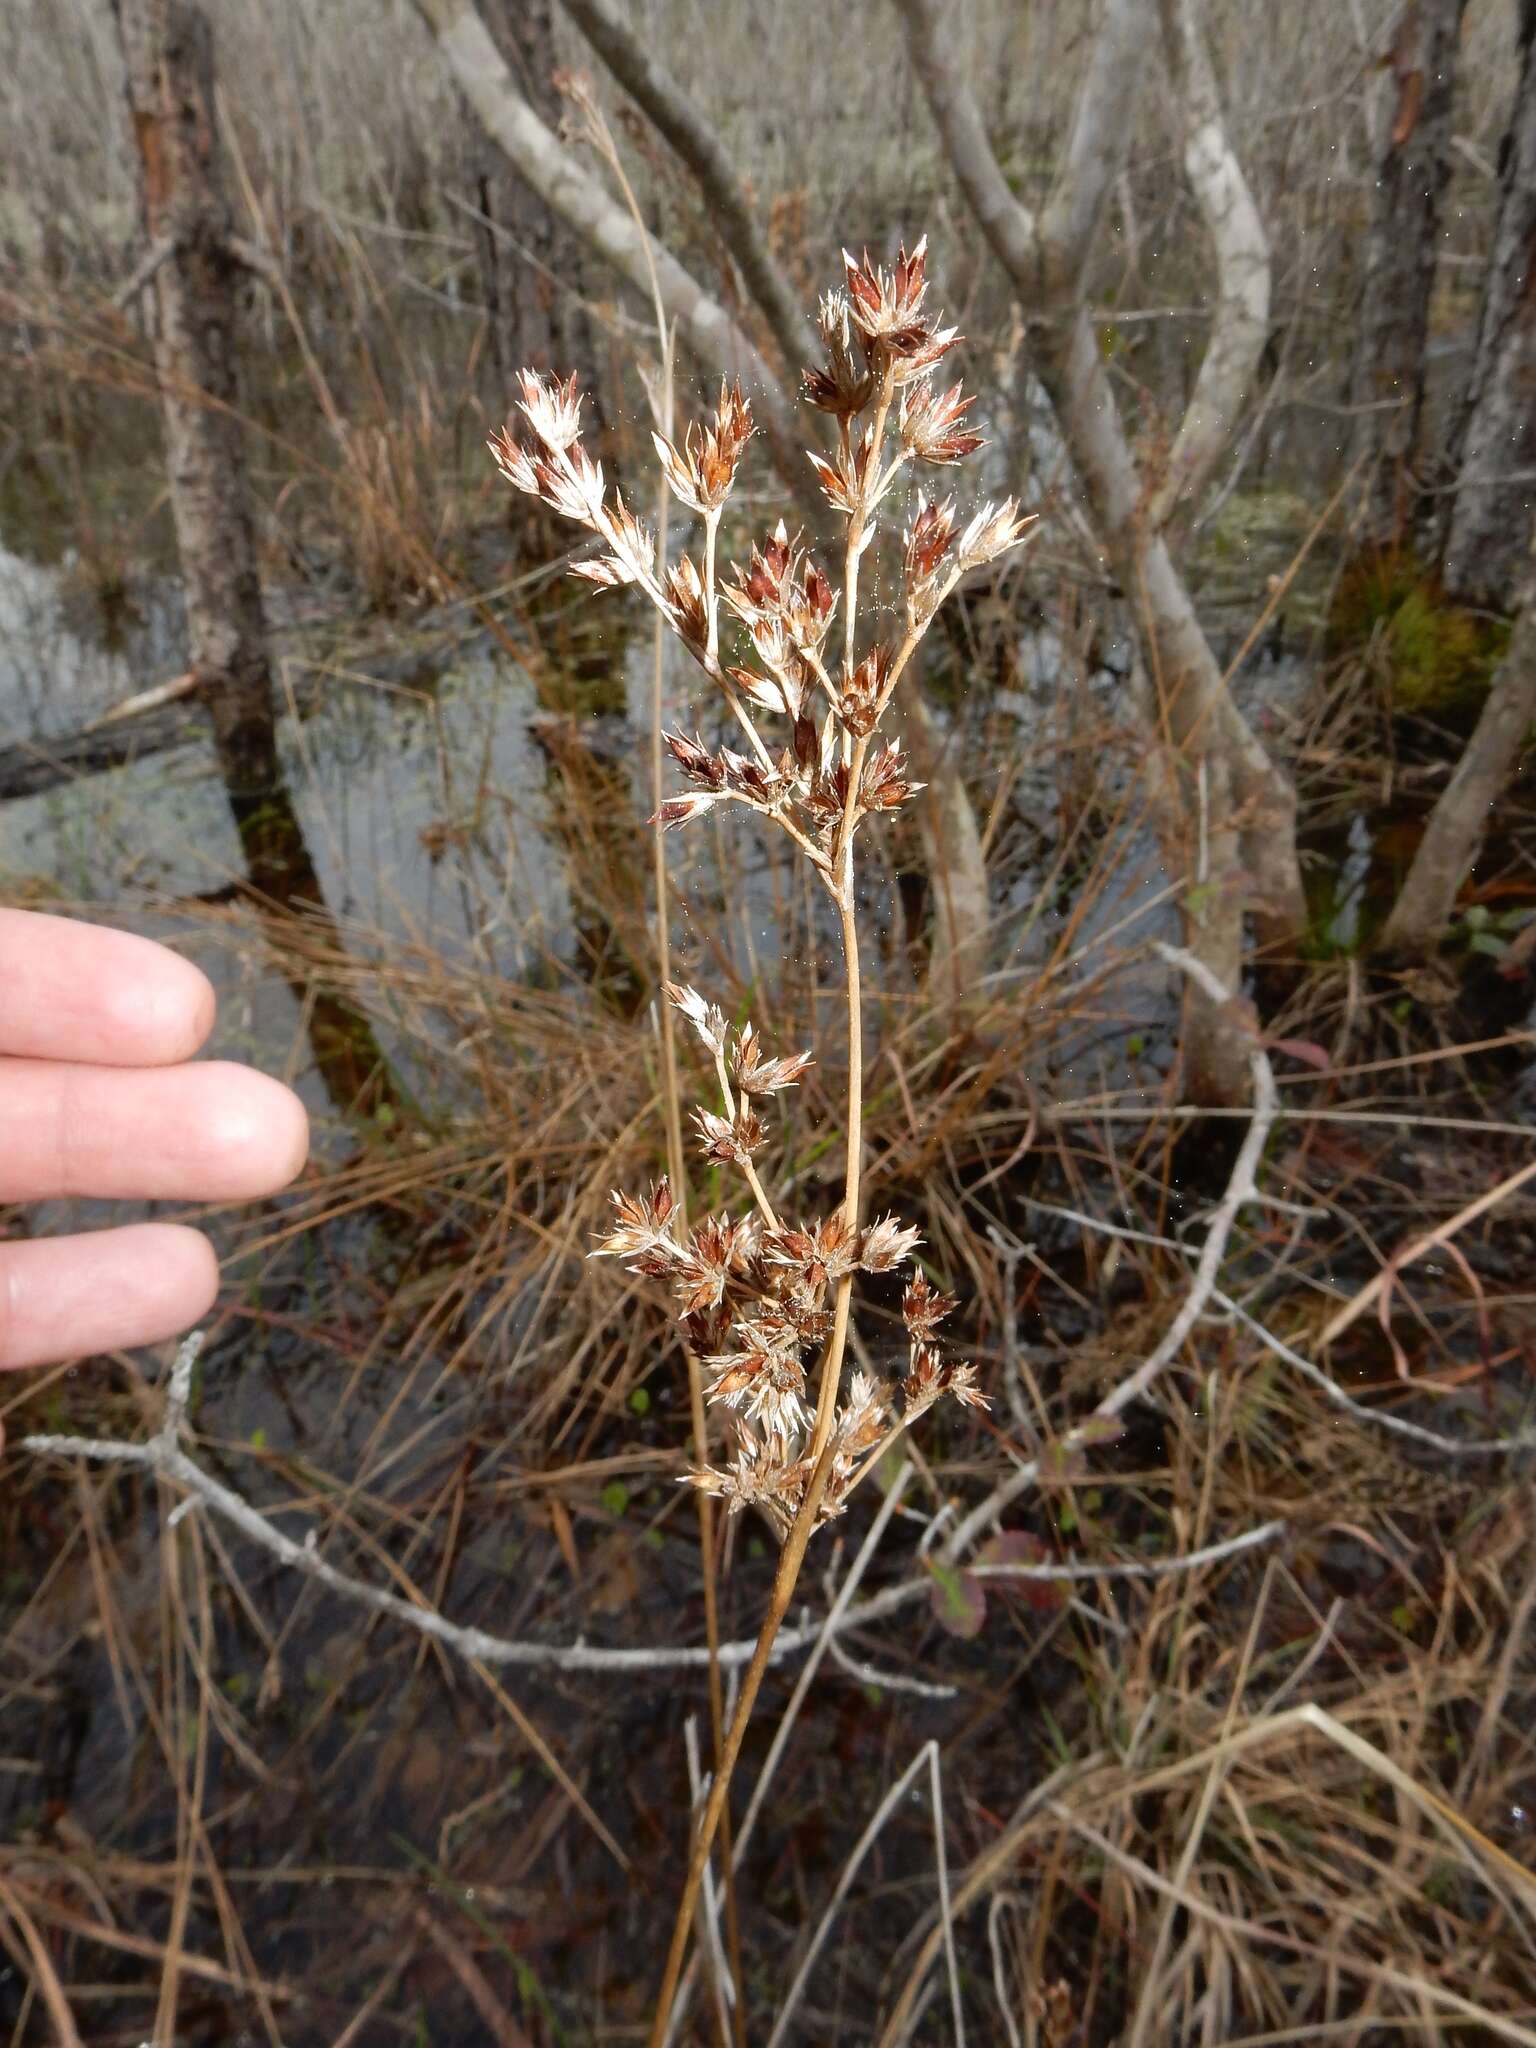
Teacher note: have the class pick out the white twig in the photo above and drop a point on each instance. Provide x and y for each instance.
(1382, 1418)
(837, 1618)
(709, 1901)
(1241, 1187)
(888, 1681)
(1149, 1568)
(169, 1462)
(178, 1390)
(141, 274)
(162, 1456)
(1001, 1902)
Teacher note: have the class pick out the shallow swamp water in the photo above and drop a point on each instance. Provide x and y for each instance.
(358, 1805)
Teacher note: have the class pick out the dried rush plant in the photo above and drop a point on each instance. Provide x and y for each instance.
(757, 1294)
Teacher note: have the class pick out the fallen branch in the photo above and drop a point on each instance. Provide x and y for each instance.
(142, 273)
(1382, 1418)
(163, 1456)
(153, 699)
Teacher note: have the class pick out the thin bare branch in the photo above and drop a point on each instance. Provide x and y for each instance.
(685, 127)
(1241, 324)
(581, 202)
(1242, 1187)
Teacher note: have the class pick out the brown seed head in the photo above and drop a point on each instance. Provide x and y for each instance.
(552, 409)
(923, 1308)
(847, 384)
(886, 305)
(930, 424)
(702, 471)
(884, 785)
(706, 1018)
(992, 531)
(887, 1244)
(927, 542)
(684, 589)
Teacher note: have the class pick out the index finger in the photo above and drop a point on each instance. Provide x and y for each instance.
(72, 991)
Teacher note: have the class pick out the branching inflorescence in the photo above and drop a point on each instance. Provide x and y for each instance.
(759, 1294)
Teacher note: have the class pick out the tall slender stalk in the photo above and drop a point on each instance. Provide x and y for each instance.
(671, 1085)
(756, 1294)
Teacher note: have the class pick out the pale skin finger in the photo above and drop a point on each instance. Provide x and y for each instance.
(97, 1098)
(207, 1131)
(70, 1297)
(74, 991)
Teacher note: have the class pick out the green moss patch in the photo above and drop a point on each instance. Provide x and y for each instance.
(1440, 657)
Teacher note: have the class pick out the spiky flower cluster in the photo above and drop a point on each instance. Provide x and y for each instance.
(821, 780)
(754, 1295)
(757, 1296)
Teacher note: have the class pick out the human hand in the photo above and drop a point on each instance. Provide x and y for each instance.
(99, 1096)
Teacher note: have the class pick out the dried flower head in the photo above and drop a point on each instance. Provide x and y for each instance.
(705, 1018)
(847, 384)
(930, 425)
(702, 471)
(886, 305)
(763, 1297)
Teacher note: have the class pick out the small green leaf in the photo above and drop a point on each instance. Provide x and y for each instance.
(959, 1604)
(615, 1496)
(258, 1439)
(640, 1401)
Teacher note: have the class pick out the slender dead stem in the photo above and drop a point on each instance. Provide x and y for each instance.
(792, 1557)
(759, 1193)
(671, 1085)
(712, 610)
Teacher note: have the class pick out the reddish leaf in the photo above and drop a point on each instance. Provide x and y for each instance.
(1019, 1547)
(1307, 1050)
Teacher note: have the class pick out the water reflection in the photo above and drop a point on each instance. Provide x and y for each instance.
(422, 811)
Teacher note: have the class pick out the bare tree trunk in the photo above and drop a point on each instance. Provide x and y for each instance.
(1495, 448)
(1236, 809)
(1240, 327)
(168, 58)
(571, 191)
(957, 871)
(1454, 835)
(1412, 165)
(530, 264)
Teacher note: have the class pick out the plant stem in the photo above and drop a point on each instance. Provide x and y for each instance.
(759, 1193)
(792, 1556)
(671, 1090)
(711, 529)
